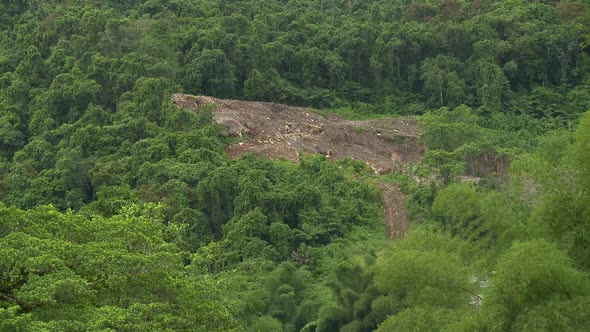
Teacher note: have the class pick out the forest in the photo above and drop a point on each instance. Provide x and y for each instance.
(121, 212)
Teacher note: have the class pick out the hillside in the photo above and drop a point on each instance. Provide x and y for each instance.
(430, 172)
(281, 132)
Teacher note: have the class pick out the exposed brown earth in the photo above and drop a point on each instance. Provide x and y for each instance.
(284, 132)
(397, 223)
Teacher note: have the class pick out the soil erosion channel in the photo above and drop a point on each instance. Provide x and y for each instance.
(284, 132)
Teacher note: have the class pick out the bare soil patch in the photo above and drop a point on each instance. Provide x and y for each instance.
(397, 223)
(284, 132)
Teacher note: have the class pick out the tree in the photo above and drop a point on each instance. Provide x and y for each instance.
(210, 73)
(422, 319)
(562, 214)
(266, 86)
(67, 271)
(423, 278)
(536, 287)
(452, 136)
(69, 96)
(11, 136)
(449, 130)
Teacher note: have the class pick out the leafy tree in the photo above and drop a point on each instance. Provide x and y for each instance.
(210, 73)
(535, 287)
(421, 318)
(96, 273)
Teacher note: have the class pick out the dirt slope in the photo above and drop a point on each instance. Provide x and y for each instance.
(284, 132)
(397, 223)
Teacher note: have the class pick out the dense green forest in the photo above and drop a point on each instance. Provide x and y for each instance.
(121, 212)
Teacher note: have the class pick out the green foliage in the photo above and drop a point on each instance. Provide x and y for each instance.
(560, 173)
(124, 213)
(447, 53)
(352, 284)
(262, 209)
(489, 220)
(448, 130)
(535, 287)
(267, 324)
(210, 73)
(421, 319)
(451, 137)
(97, 273)
(580, 152)
(423, 278)
(530, 285)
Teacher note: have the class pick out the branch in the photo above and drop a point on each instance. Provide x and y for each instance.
(9, 298)
(472, 293)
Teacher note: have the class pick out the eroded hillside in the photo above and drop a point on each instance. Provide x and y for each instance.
(284, 132)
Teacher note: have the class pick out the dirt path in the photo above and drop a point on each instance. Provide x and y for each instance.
(396, 218)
